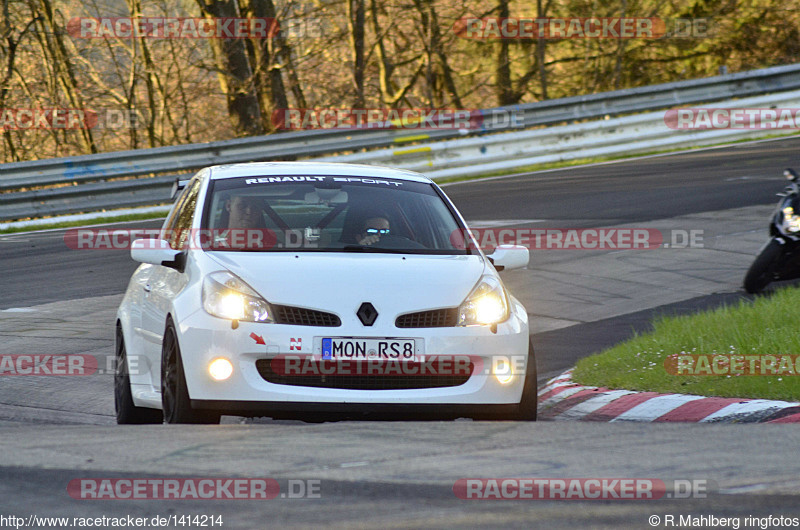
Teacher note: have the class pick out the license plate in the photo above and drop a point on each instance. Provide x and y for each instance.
(358, 348)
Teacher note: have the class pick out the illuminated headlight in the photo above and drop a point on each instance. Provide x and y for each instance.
(227, 296)
(220, 369)
(791, 222)
(486, 304)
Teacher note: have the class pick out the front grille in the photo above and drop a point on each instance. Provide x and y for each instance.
(298, 316)
(436, 318)
(357, 382)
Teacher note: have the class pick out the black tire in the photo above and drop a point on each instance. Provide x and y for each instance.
(175, 400)
(760, 273)
(127, 412)
(529, 403)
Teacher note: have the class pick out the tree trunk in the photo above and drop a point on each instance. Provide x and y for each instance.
(503, 87)
(444, 65)
(9, 47)
(389, 94)
(264, 54)
(53, 46)
(541, 46)
(234, 71)
(150, 78)
(355, 23)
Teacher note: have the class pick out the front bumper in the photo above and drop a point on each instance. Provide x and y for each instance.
(204, 338)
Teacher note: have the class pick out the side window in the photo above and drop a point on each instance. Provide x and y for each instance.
(180, 222)
(169, 224)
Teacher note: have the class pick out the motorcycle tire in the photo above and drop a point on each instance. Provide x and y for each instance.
(760, 273)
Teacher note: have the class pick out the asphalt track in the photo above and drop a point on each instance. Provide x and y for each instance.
(377, 474)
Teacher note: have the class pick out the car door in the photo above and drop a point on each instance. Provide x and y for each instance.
(164, 283)
(137, 341)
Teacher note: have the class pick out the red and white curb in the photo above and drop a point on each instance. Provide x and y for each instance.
(563, 400)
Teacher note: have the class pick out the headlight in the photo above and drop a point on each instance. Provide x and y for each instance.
(791, 222)
(486, 304)
(227, 296)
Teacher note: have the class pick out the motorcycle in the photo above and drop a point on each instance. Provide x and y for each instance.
(779, 258)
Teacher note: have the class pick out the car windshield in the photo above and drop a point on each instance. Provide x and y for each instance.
(330, 214)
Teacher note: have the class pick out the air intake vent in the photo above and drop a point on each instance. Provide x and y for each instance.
(359, 382)
(299, 316)
(437, 318)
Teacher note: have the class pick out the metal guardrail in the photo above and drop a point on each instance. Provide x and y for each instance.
(95, 191)
(628, 135)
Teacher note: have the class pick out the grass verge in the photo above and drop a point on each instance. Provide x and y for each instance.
(765, 326)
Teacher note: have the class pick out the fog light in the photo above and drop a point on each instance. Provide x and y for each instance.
(502, 371)
(220, 369)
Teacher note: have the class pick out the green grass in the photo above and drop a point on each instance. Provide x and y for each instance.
(85, 222)
(768, 325)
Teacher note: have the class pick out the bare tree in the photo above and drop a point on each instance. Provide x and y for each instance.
(439, 74)
(264, 55)
(8, 45)
(356, 24)
(51, 40)
(234, 70)
(390, 92)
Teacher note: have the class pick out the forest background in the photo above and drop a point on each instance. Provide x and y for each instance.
(341, 54)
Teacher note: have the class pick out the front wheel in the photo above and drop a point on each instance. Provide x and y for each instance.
(127, 412)
(529, 401)
(760, 274)
(175, 400)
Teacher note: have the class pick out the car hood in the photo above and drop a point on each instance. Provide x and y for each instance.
(341, 282)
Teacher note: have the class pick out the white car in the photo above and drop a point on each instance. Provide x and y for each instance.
(291, 289)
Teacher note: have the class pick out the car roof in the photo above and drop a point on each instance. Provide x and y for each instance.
(261, 169)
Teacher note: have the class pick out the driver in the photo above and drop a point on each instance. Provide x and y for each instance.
(372, 229)
(244, 211)
(245, 227)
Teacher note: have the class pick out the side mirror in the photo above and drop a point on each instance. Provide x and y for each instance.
(157, 252)
(509, 257)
